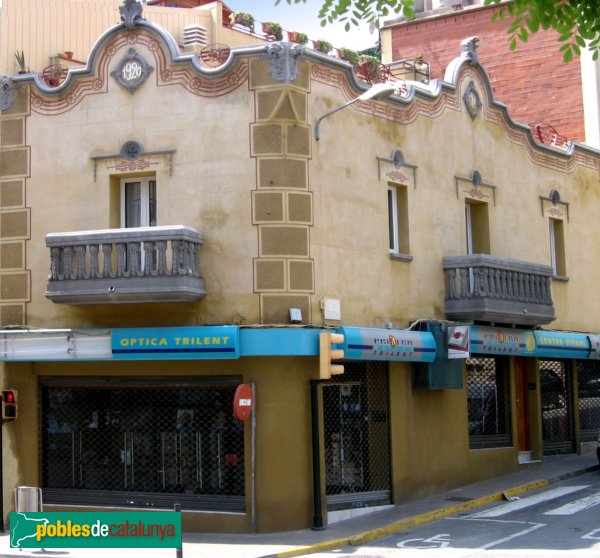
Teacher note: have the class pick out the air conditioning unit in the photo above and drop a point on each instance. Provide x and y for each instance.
(443, 372)
(195, 35)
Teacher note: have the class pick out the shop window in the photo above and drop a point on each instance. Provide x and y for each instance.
(488, 399)
(132, 442)
(398, 232)
(557, 248)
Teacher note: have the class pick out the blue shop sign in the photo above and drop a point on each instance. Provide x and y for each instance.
(176, 343)
(502, 341)
(558, 344)
(594, 346)
(387, 344)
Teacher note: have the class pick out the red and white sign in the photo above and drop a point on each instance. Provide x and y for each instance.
(243, 402)
(458, 341)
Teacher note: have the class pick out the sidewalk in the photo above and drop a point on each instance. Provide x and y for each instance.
(354, 531)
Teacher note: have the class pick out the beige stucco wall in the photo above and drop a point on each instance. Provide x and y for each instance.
(244, 157)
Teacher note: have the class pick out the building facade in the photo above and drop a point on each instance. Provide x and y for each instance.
(173, 235)
(535, 84)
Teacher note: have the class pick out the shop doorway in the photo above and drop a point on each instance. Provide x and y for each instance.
(556, 396)
(522, 408)
(357, 439)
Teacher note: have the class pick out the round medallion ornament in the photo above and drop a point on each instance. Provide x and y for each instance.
(472, 100)
(132, 71)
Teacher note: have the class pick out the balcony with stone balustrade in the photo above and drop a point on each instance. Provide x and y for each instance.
(145, 264)
(483, 288)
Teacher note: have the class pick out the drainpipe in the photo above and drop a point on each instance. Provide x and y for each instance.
(316, 456)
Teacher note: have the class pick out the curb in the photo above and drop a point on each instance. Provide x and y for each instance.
(421, 519)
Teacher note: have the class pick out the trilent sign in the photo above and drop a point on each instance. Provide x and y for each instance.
(203, 342)
(388, 344)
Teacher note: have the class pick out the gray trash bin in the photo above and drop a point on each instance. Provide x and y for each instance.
(28, 499)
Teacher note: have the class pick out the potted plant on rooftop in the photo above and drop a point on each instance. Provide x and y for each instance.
(371, 69)
(322, 45)
(349, 55)
(297, 37)
(244, 19)
(20, 58)
(421, 67)
(272, 29)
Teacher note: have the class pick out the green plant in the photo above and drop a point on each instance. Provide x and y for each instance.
(301, 38)
(323, 46)
(243, 18)
(274, 29)
(372, 68)
(20, 57)
(349, 55)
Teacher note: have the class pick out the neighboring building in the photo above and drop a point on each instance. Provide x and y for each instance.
(532, 80)
(172, 229)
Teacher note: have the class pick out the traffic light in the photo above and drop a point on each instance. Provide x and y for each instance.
(327, 353)
(9, 404)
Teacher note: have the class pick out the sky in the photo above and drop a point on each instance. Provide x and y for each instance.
(303, 17)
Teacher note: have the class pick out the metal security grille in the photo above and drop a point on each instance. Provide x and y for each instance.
(556, 401)
(588, 383)
(141, 443)
(488, 402)
(357, 438)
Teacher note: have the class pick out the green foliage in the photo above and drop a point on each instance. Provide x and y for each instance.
(353, 12)
(243, 18)
(20, 58)
(301, 38)
(576, 21)
(323, 45)
(349, 55)
(372, 51)
(273, 28)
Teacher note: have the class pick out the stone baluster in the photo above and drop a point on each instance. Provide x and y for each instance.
(67, 262)
(80, 272)
(93, 250)
(464, 282)
(107, 268)
(451, 284)
(161, 266)
(195, 254)
(150, 259)
(55, 271)
(175, 256)
(121, 259)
